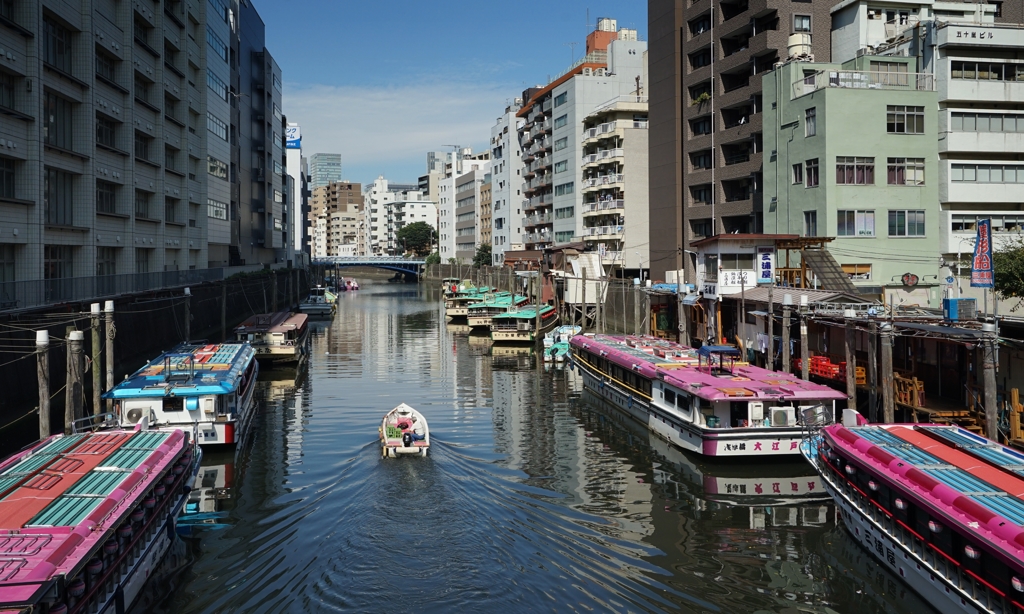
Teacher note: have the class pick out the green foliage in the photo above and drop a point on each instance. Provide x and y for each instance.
(418, 238)
(434, 258)
(483, 255)
(452, 261)
(699, 100)
(1008, 267)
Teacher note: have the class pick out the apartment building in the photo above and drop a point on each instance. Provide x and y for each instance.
(615, 200)
(707, 61)
(324, 169)
(376, 196)
(486, 213)
(408, 207)
(465, 162)
(468, 213)
(551, 136)
(336, 212)
(506, 184)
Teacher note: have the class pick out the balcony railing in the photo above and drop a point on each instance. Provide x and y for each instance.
(604, 154)
(537, 220)
(537, 237)
(604, 205)
(602, 231)
(864, 79)
(608, 127)
(602, 180)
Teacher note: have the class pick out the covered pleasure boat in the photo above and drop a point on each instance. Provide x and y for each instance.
(519, 324)
(702, 400)
(276, 337)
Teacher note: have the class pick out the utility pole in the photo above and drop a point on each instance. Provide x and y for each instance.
(583, 303)
(888, 402)
(188, 314)
(988, 367)
(771, 327)
(787, 304)
(805, 367)
(108, 334)
(97, 359)
(224, 311)
(873, 373)
(43, 375)
(73, 388)
(851, 360)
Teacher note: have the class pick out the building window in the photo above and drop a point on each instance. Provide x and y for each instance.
(811, 121)
(858, 272)
(701, 126)
(810, 223)
(171, 158)
(7, 9)
(57, 121)
(216, 168)
(106, 261)
(142, 142)
(889, 73)
(105, 132)
(987, 173)
(7, 90)
(906, 223)
(106, 196)
(700, 228)
(142, 260)
(905, 171)
(142, 202)
(561, 167)
(220, 9)
(58, 197)
(855, 223)
(58, 261)
(904, 120)
(701, 160)
(700, 59)
(141, 88)
(564, 237)
(170, 209)
(278, 196)
(7, 263)
(736, 262)
(801, 23)
(811, 174)
(565, 213)
(7, 178)
(986, 122)
(855, 171)
(217, 45)
(105, 67)
(561, 121)
(216, 126)
(798, 173)
(217, 86)
(56, 45)
(216, 209)
(701, 194)
(561, 99)
(561, 143)
(987, 71)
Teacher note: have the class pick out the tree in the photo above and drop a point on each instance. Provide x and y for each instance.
(434, 258)
(483, 255)
(417, 238)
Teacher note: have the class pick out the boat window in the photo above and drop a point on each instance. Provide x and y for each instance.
(174, 404)
(670, 397)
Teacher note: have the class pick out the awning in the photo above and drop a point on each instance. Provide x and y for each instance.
(726, 350)
(691, 299)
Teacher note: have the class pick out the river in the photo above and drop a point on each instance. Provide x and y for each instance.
(535, 496)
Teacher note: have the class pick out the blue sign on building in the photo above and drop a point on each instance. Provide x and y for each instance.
(293, 137)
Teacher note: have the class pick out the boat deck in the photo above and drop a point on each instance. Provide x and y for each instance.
(214, 369)
(59, 499)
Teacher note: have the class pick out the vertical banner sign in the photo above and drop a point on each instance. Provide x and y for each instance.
(765, 265)
(981, 265)
(293, 137)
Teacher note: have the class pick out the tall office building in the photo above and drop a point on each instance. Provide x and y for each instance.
(506, 184)
(448, 198)
(298, 203)
(336, 210)
(706, 63)
(324, 168)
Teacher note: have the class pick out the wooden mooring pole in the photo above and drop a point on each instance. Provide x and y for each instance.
(787, 305)
(108, 334)
(97, 360)
(888, 401)
(73, 393)
(43, 376)
(988, 367)
(805, 367)
(583, 303)
(851, 363)
(188, 314)
(873, 373)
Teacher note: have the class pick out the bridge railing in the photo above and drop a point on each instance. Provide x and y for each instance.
(369, 260)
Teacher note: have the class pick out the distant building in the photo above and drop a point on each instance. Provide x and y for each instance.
(376, 196)
(486, 196)
(506, 184)
(466, 162)
(408, 207)
(324, 168)
(335, 218)
(468, 213)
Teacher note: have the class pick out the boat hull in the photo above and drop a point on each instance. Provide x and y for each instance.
(677, 430)
(391, 433)
(317, 309)
(479, 321)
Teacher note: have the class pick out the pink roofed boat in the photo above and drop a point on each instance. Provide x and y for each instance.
(85, 518)
(703, 400)
(940, 507)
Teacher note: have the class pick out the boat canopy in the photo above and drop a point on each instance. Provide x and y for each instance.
(724, 350)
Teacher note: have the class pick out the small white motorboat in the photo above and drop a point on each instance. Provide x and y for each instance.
(404, 431)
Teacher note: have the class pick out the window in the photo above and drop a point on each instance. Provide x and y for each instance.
(700, 59)
(563, 189)
(142, 201)
(141, 88)
(7, 178)
(561, 143)
(216, 126)
(278, 196)
(561, 121)
(855, 223)
(565, 213)
(906, 223)
(904, 120)
(701, 194)
(855, 171)
(905, 171)
(58, 261)
(142, 142)
(217, 86)
(170, 209)
(171, 156)
(801, 23)
(889, 73)
(810, 223)
(736, 262)
(564, 237)
(6, 90)
(561, 99)
(561, 167)
(700, 228)
(811, 174)
(986, 122)
(56, 45)
(701, 159)
(58, 197)
(57, 124)
(106, 261)
(106, 196)
(217, 168)
(711, 266)
(7, 10)
(217, 44)
(857, 272)
(6, 263)
(811, 121)
(105, 67)
(987, 71)
(142, 260)
(798, 173)
(220, 9)
(701, 126)
(987, 173)
(670, 397)
(216, 209)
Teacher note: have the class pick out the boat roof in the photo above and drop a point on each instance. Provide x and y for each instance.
(527, 312)
(63, 497)
(969, 479)
(216, 369)
(681, 367)
(279, 322)
(500, 299)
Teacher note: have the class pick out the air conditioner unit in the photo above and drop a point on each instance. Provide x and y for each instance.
(259, 148)
(588, 72)
(959, 309)
(259, 118)
(755, 412)
(782, 416)
(523, 326)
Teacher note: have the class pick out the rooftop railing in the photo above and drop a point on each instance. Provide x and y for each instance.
(864, 79)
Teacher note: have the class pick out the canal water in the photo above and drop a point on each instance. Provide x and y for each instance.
(535, 496)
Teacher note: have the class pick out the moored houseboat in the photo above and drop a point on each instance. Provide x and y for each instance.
(320, 302)
(938, 506)
(279, 337)
(206, 387)
(702, 400)
(457, 304)
(86, 518)
(519, 324)
(479, 314)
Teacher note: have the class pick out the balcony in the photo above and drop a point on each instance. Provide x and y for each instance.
(603, 232)
(611, 128)
(864, 79)
(538, 237)
(537, 219)
(603, 207)
(602, 180)
(603, 155)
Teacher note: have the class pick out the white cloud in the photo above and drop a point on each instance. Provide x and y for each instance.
(389, 129)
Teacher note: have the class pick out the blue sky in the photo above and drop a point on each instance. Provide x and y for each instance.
(383, 82)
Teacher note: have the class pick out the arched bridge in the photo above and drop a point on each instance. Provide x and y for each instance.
(409, 266)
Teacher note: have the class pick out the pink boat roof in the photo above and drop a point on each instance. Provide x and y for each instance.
(62, 498)
(681, 367)
(969, 480)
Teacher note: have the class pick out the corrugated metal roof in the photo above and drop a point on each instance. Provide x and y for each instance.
(65, 511)
(146, 440)
(98, 483)
(126, 459)
(760, 294)
(830, 275)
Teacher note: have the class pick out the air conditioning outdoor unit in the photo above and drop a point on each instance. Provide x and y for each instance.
(756, 412)
(782, 416)
(523, 326)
